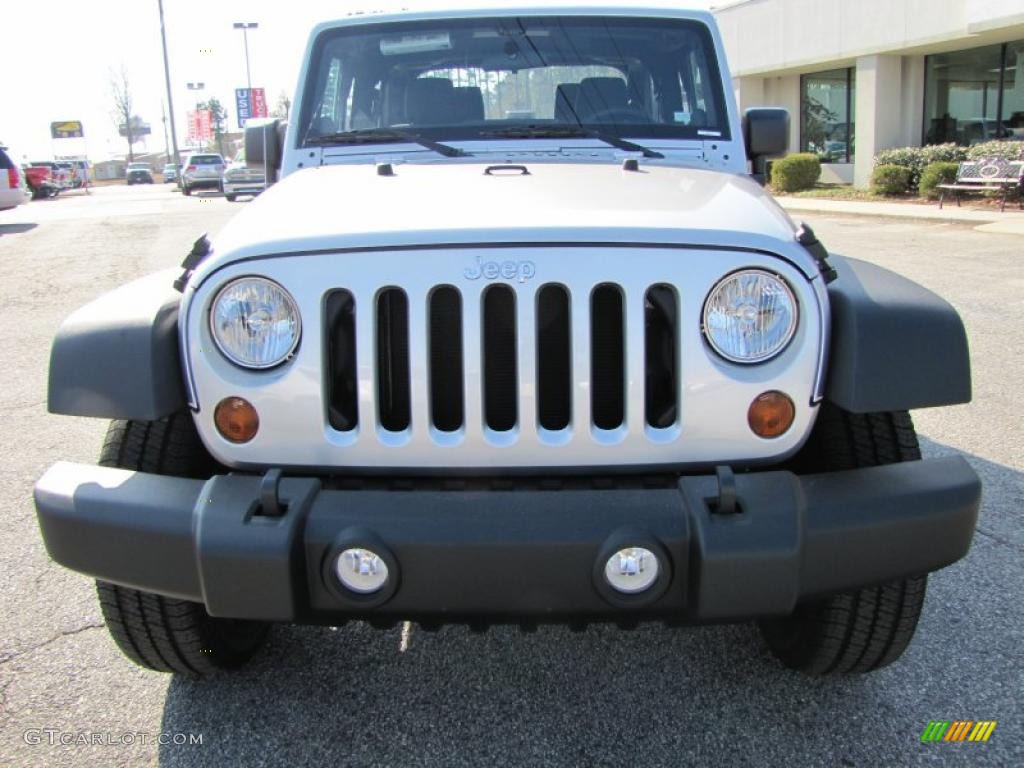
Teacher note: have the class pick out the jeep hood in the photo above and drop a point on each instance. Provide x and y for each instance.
(355, 207)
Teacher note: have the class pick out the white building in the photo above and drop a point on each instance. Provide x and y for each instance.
(859, 76)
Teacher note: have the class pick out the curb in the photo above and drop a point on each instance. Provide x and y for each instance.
(1009, 222)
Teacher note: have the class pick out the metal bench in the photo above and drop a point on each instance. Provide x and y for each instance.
(992, 175)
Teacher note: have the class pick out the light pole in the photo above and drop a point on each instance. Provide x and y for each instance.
(198, 87)
(167, 81)
(245, 26)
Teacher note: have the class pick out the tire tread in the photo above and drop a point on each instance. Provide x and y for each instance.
(867, 629)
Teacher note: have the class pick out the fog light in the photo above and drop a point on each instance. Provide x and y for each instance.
(236, 419)
(631, 570)
(771, 415)
(361, 571)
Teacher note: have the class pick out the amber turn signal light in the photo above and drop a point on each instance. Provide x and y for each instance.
(771, 414)
(236, 419)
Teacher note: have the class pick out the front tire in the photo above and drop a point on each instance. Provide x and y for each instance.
(186, 190)
(162, 633)
(870, 628)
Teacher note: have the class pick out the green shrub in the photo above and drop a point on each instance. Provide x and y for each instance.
(794, 173)
(916, 159)
(890, 180)
(1006, 150)
(935, 174)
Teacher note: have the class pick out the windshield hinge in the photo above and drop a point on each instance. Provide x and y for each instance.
(200, 250)
(806, 237)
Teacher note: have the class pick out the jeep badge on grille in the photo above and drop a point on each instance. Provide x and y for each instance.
(520, 271)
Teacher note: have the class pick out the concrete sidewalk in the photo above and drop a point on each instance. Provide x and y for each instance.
(1010, 221)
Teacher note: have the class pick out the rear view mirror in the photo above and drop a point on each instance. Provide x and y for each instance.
(766, 131)
(264, 145)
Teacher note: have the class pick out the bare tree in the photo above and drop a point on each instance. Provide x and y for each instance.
(283, 106)
(123, 104)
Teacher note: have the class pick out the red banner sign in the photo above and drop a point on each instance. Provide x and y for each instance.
(259, 103)
(200, 125)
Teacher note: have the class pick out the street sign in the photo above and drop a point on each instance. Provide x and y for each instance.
(139, 128)
(247, 106)
(67, 129)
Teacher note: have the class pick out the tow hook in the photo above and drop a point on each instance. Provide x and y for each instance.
(726, 503)
(270, 498)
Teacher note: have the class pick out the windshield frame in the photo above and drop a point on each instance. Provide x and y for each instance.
(713, 90)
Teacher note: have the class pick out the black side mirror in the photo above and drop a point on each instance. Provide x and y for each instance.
(766, 133)
(264, 145)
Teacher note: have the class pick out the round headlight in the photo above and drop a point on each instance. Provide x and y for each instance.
(750, 316)
(255, 323)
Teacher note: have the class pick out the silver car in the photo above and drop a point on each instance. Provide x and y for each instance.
(202, 171)
(240, 179)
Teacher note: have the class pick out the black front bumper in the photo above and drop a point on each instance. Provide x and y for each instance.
(513, 555)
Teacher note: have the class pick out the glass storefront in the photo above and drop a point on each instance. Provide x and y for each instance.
(827, 105)
(975, 95)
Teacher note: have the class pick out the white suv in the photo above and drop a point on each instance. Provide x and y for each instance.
(202, 171)
(12, 184)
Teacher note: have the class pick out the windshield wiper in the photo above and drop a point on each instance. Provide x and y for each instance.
(386, 136)
(570, 132)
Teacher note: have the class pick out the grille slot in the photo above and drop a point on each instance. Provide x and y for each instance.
(447, 408)
(393, 359)
(607, 357)
(661, 369)
(460, 361)
(340, 318)
(554, 361)
(500, 369)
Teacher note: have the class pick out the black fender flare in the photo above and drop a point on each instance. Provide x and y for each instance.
(895, 345)
(117, 357)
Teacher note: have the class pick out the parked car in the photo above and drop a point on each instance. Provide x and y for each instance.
(79, 170)
(170, 173)
(40, 182)
(202, 171)
(13, 191)
(578, 367)
(240, 179)
(60, 173)
(139, 173)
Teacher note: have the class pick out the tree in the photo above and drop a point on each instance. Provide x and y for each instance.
(218, 120)
(123, 104)
(283, 106)
(817, 120)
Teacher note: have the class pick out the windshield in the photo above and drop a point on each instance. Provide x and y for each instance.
(467, 79)
(206, 160)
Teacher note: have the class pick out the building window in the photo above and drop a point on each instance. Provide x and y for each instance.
(827, 115)
(975, 95)
(1013, 91)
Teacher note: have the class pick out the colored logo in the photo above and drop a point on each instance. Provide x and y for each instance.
(958, 730)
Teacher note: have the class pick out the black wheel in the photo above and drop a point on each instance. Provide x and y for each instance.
(231, 198)
(186, 190)
(163, 633)
(870, 628)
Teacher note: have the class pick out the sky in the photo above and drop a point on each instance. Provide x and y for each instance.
(86, 40)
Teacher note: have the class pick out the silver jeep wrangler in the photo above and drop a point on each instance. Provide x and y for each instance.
(516, 336)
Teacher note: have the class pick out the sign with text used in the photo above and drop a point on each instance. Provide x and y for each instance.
(250, 105)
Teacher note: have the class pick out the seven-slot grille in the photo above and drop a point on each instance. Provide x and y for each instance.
(565, 327)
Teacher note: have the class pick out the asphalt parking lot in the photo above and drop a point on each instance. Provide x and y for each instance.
(357, 696)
